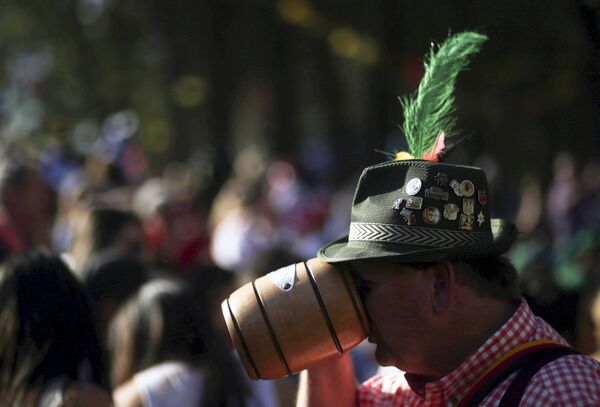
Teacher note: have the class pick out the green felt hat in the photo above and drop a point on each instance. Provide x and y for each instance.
(421, 211)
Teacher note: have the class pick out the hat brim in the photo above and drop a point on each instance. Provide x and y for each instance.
(341, 250)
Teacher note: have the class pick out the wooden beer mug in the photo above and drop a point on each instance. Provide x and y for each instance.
(294, 317)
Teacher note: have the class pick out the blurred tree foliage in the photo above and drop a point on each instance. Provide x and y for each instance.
(213, 76)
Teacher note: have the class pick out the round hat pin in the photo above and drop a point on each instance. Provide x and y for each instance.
(467, 188)
(413, 186)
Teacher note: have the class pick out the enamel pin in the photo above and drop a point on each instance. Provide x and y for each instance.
(455, 187)
(440, 179)
(431, 215)
(482, 197)
(480, 218)
(466, 222)
(467, 188)
(451, 211)
(409, 216)
(468, 206)
(414, 202)
(436, 193)
(413, 186)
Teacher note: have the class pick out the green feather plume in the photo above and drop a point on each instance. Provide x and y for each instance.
(431, 109)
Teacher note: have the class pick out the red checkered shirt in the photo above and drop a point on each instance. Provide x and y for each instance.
(572, 380)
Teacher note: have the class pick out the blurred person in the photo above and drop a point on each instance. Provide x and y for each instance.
(573, 252)
(147, 201)
(588, 322)
(239, 238)
(106, 230)
(299, 211)
(530, 206)
(109, 280)
(277, 209)
(237, 226)
(165, 351)
(183, 214)
(587, 221)
(536, 261)
(506, 199)
(27, 205)
(174, 219)
(586, 210)
(71, 213)
(106, 255)
(562, 195)
(596, 326)
(211, 285)
(243, 228)
(248, 171)
(49, 352)
(186, 240)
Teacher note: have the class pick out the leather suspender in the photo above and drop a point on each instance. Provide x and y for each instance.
(528, 358)
(516, 389)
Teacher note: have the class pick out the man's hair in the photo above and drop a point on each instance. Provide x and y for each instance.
(492, 277)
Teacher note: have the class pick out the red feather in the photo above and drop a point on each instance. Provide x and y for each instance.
(438, 146)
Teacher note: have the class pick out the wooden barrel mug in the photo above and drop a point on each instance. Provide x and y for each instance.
(294, 317)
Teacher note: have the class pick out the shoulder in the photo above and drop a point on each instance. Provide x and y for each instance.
(167, 372)
(169, 383)
(569, 380)
(127, 395)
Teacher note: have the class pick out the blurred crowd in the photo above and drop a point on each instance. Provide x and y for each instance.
(113, 276)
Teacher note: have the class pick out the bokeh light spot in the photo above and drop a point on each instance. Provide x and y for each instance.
(156, 136)
(189, 91)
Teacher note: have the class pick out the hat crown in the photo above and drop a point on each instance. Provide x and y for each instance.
(421, 211)
(408, 201)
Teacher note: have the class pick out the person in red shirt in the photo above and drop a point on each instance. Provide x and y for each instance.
(26, 205)
(443, 304)
(442, 301)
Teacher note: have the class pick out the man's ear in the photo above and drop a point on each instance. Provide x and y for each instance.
(443, 277)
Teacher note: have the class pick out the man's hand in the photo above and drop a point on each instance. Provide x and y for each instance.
(331, 383)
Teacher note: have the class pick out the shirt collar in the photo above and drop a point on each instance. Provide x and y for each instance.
(518, 329)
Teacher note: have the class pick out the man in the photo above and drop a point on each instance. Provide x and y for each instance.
(26, 205)
(443, 304)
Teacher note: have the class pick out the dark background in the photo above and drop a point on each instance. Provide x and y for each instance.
(297, 78)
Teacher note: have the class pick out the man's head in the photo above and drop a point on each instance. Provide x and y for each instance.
(421, 313)
(424, 253)
(26, 198)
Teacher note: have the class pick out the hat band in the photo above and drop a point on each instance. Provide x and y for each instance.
(390, 233)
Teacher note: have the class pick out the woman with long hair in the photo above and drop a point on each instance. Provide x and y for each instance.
(165, 351)
(49, 351)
